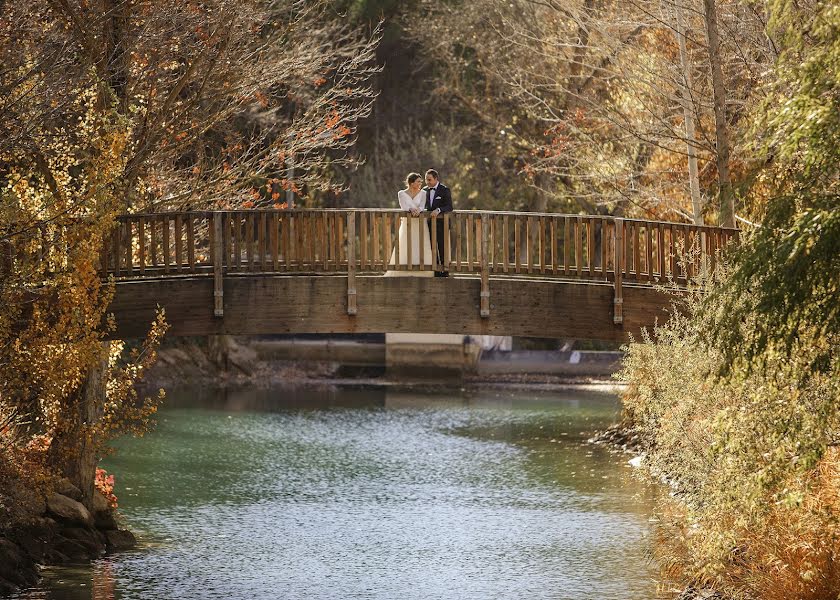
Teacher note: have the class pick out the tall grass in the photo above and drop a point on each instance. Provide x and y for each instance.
(753, 458)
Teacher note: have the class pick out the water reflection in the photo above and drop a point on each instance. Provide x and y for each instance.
(373, 493)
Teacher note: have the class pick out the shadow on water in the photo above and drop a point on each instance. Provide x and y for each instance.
(360, 492)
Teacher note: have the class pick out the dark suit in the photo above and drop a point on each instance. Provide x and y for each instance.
(442, 200)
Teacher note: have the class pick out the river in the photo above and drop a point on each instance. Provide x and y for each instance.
(373, 493)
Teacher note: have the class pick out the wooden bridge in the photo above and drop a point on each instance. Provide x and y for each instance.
(321, 271)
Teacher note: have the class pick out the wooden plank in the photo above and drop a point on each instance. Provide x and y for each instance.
(141, 244)
(191, 242)
(179, 243)
(604, 248)
(236, 232)
(398, 265)
(618, 293)
(363, 240)
(447, 242)
(409, 241)
(553, 241)
(262, 243)
(275, 241)
(218, 279)
(516, 244)
(153, 241)
(660, 248)
(648, 252)
(484, 299)
(286, 241)
(250, 236)
(129, 248)
(116, 243)
(579, 246)
(376, 221)
(389, 250)
(529, 246)
(566, 246)
(506, 244)
(165, 248)
(437, 262)
(493, 239)
(590, 246)
(637, 234)
(469, 239)
(458, 235)
(672, 252)
(351, 263)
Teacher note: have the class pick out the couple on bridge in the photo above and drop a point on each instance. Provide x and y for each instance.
(434, 198)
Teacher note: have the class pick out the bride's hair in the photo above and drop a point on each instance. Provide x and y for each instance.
(411, 178)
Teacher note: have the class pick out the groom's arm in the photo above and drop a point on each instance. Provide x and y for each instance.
(445, 204)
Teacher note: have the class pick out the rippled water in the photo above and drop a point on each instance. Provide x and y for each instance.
(374, 494)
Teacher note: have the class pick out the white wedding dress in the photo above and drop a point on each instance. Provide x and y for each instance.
(421, 245)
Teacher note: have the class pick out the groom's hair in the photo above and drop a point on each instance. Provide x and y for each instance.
(433, 173)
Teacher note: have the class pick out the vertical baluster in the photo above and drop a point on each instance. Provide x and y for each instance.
(618, 294)
(165, 248)
(388, 242)
(351, 263)
(648, 253)
(637, 235)
(506, 243)
(458, 218)
(191, 242)
(517, 258)
(217, 250)
(274, 241)
(529, 244)
(469, 242)
(116, 240)
(553, 241)
(236, 233)
(141, 244)
(567, 246)
(541, 248)
(447, 242)
(604, 248)
(286, 240)
(363, 238)
(153, 240)
(484, 299)
(179, 244)
(579, 246)
(590, 245)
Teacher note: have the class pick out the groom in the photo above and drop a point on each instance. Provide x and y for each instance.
(438, 200)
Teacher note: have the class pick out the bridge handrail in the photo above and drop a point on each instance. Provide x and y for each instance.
(592, 248)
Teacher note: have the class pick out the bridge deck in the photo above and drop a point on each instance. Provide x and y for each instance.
(265, 304)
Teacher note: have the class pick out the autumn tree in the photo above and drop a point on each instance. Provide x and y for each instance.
(115, 105)
(591, 97)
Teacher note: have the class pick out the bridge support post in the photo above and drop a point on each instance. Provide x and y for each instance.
(484, 301)
(618, 270)
(351, 263)
(218, 277)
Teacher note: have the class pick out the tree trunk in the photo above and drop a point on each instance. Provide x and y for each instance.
(725, 193)
(688, 115)
(74, 448)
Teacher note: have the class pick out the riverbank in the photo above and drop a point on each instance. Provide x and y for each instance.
(53, 527)
(236, 362)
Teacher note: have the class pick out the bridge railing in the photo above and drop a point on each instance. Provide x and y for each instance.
(352, 241)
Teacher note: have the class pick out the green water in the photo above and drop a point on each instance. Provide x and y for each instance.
(366, 493)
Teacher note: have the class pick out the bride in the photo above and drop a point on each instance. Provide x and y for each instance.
(413, 200)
